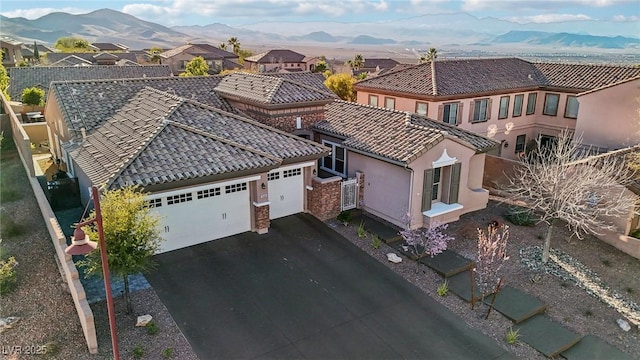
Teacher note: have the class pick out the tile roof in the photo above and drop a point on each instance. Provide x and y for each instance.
(158, 138)
(269, 90)
(395, 135)
(476, 76)
(276, 56)
(91, 102)
(91, 57)
(382, 63)
(316, 80)
(207, 51)
(109, 46)
(635, 78)
(42, 76)
(71, 60)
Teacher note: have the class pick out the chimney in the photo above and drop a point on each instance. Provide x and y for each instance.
(83, 131)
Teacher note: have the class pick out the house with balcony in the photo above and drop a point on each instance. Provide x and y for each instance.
(507, 99)
(216, 58)
(280, 60)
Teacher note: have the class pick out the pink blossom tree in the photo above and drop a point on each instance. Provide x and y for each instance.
(427, 241)
(492, 255)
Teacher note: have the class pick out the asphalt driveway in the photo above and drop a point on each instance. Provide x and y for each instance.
(302, 291)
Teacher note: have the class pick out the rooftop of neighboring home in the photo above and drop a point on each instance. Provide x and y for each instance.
(71, 60)
(110, 47)
(154, 138)
(270, 90)
(456, 78)
(88, 103)
(10, 41)
(27, 49)
(397, 136)
(208, 52)
(381, 63)
(92, 57)
(276, 56)
(41, 76)
(307, 78)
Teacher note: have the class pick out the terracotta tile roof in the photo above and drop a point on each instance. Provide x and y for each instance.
(583, 76)
(91, 57)
(276, 56)
(42, 76)
(158, 138)
(395, 135)
(269, 90)
(88, 103)
(476, 76)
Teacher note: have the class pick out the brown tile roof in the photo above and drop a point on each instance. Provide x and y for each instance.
(91, 57)
(109, 46)
(276, 56)
(395, 135)
(476, 76)
(269, 90)
(207, 51)
(42, 76)
(71, 60)
(382, 63)
(158, 138)
(316, 80)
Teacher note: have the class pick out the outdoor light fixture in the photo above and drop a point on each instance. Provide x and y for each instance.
(315, 172)
(82, 245)
(263, 186)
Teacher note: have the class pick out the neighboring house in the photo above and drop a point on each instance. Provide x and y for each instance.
(71, 60)
(276, 61)
(211, 173)
(43, 50)
(276, 101)
(109, 47)
(412, 165)
(101, 58)
(315, 80)
(216, 58)
(508, 99)
(374, 67)
(11, 51)
(609, 116)
(41, 76)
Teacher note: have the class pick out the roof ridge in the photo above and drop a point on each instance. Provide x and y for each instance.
(308, 87)
(434, 86)
(224, 140)
(272, 92)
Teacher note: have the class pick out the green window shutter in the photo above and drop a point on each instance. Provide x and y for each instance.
(426, 189)
(455, 183)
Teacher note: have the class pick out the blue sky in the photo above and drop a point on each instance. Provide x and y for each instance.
(236, 12)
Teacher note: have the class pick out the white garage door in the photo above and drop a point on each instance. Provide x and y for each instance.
(209, 213)
(286, 192)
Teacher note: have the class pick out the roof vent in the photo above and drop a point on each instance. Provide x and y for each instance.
(530, 77)
(83, 131)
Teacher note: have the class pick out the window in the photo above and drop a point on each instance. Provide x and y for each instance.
(273, 176)
(435, 188)
(390, 103)
(441, 184)
(531, 103)
(551, 104)
(292, 172)
(373, 100)
(202, 194)
(451, 113)
(235, 188)
(335, 162)
(155, 203)
(421, 108)
(180, 198)
(504, 107)
(517, 105)
(481, 110)
(571, 110)
(521, 141)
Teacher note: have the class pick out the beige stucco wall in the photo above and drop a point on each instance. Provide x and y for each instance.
(268, 67)
(37, 132)
(610, 118)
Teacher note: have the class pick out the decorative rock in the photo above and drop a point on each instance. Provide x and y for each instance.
(143, 320)
(7, 323)
(394, 258)
(624, 325)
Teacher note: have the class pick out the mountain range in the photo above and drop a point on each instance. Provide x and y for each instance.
(427, 30)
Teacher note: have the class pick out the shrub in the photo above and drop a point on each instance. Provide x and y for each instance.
(375, 242)
(512, 336)
(362, 233)
(443, 289)
(8, 277)
(344, 217)
(635, 233)
(138, 352)
(167, 353)
(152, 328)
(33, 96)
(520, 216)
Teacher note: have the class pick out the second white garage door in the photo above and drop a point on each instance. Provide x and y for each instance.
(286, 192)
(208, 213)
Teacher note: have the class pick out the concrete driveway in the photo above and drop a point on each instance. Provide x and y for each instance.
(302, 291)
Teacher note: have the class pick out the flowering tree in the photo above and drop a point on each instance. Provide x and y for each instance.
(427, 241)
(492, 254)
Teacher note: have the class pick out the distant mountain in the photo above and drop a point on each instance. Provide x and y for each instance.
(566, 39)
(318, 36)
(220, 32)
(370, 40)
(98, 26)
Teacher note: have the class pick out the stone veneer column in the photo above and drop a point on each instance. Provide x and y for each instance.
(261, 216)
(324, 199)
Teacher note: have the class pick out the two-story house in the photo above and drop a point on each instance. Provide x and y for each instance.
(276, 61)
(216, 58)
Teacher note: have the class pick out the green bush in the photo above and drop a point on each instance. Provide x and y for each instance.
(362, 233)
(520, 216)
(152, 328)
(443, 289)
(8, 277)
(138, 352)
(344, 217)
(375, 242)
(167, 353)
(33, 96)
(512, 336)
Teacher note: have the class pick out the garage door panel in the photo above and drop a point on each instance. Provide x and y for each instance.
(286, 193)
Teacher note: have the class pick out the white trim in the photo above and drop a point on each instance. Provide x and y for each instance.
(440, 208)
(257, 204)
(156, 195)
(293, 166)
(444, 160)
(333, 158)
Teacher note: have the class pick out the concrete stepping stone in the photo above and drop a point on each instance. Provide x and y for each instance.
(592, 347)
(546, 336)
(460, 284)
(516, 305)
(447, 263)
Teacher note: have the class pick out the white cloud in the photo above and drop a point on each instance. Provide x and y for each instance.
(39, 12)
(624, 18)
(549, 18)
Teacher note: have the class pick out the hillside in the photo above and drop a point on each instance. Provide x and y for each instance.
(567, 39)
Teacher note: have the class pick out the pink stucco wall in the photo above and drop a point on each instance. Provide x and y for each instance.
(610, 118)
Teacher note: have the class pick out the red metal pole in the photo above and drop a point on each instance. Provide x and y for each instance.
(105, 273)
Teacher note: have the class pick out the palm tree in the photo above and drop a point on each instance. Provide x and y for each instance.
(431, 55)
(357, 62)
(223, 46)
(235, 43)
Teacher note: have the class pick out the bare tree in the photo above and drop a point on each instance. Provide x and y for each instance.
(492, 254)
(562, 181)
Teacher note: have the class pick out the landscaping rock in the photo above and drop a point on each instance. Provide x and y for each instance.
(7, 323)
(394, 258)
(624, 325)
(143, 320)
